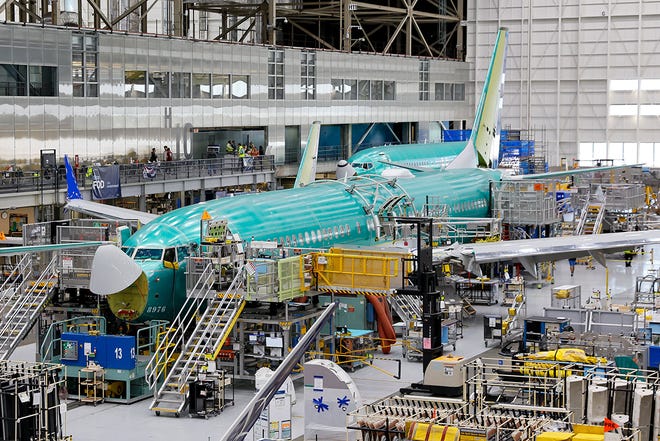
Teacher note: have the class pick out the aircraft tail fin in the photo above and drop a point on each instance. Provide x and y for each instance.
(307, 170)
(72, 190)
(482, 149)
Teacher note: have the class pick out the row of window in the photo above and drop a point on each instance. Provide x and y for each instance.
(647, 153)
(25, 80)
(461, 207)
(312, 237)
(449, 92)
(374, 90)
(141, 84)
(84, 64)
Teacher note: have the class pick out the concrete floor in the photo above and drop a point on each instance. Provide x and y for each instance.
(110, 422)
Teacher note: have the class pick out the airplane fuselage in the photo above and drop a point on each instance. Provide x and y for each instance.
(375, 160)
(320, 215)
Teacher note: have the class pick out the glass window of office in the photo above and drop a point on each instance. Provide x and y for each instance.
(84, 64)
(389, 90)
(276, 74)
(201, 85)
(439, 91)
(13, 80)
(424, 80)
(43, 80)
(376, 90)
(459, 92)
(240, 87)
(364, 89)
(159, 84)
(180, 85)
(337, 89)
(449, 92)
(308, 75)
(220, 86)
(350, 90)
(135, 83)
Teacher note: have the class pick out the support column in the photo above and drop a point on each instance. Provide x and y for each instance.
(178, 18)
(142, 203)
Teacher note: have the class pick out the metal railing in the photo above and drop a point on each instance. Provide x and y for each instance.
(31, 180)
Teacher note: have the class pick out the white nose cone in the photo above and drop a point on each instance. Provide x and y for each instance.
(112, 271)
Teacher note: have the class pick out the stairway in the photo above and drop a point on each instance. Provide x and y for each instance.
(591, 220)
(196, 335)
(22, 300)
(407, 307)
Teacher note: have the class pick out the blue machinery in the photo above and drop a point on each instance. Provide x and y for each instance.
(77, 342)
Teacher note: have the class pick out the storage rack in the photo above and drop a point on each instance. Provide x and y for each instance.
(35, 419)
(511, 289)
(91, 384)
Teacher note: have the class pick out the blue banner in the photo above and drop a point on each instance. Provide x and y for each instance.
(105, 182)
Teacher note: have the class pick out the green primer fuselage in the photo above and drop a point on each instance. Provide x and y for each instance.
(320, 215)
(432, 156)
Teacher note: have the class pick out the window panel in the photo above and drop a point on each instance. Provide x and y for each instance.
(389, 90)
(240, 86)
(135, 83)
(159, 85)
(43, 81)
(350, 90)
(646, 154)
(364, 89)
(439, 91)
(459, 92)
(376, 90)
(180, 85)
(201, 85)
(220, 88)
(337, 89)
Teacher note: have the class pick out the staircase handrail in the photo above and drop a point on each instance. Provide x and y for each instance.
(174, 336)
(198, 347)
(19, 311)
(9, 287)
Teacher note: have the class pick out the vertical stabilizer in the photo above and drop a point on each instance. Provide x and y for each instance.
(483, 146)
(72, 191)
(307, 170)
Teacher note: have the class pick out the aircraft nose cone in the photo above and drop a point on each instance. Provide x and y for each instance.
(112, 271)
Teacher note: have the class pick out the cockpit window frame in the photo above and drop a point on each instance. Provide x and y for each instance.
(137, 255)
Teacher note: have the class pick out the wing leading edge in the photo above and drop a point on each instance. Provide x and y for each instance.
(531, 251)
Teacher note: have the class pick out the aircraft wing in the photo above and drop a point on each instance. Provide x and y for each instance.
(75, 202)
(12, 251)
(577, 171)
(531, 251)
(108, 211)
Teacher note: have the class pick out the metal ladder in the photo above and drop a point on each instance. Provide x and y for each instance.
(22, 300)
(201, 329)
(408, 308)
(591, 220)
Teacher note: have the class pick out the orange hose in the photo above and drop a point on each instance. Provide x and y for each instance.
(385, 326)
